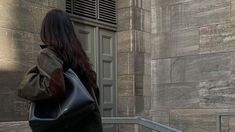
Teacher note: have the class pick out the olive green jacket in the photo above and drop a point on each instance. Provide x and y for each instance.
(46, 80)
(43, 80)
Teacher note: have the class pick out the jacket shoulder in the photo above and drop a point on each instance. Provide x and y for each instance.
(49, 54)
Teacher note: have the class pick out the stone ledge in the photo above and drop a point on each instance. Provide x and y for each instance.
(17, 126)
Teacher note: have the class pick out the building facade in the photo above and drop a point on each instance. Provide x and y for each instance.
(173, 61)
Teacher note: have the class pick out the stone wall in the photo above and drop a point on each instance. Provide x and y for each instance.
(192, 63)
(133, 59)
(20, 22)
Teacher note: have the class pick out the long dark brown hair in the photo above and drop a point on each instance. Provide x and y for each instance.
(57, 31)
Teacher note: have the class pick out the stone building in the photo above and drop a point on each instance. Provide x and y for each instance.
(172, 61)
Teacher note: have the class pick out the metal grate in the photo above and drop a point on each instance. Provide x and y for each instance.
(107, 11)
(101, 10)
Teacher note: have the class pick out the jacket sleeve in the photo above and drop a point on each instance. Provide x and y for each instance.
(45, 79)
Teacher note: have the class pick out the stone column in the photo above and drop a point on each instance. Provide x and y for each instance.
(133, 53)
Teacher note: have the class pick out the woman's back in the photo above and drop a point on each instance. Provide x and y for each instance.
(62, 50)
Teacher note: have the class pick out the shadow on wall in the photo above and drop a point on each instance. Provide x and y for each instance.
(19, 44)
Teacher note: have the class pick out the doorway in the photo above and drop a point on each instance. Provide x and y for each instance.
(100, 46)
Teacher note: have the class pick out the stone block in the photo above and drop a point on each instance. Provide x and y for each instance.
(147, 64)
(186, 40)
(209, 67)
(6, 44)
(126, 105)
(213, 11)
(134, 105)
(162, 46)
(175, 43)
(22, 36)
(125, 85)
(147, 85)
(138, 85)
(16, 17)
(124, 3)
(141, 19)
(14, 108)
(161, 71)
(124, 19)
(127, 63)
(183, 14)
(178, 69)
(57, 4)
(22, 46)
(185, 69)
(133, 40)
(127, 128)
(160, 19)
(146, 4)
(175, 95)
(218, 94)
(7, 110)
(139, 105)
(138, 41)
(231, 124)
(147, 42)
(160, 116)
(232, 11)
(215, 67)
(124, 41)
(17, 126)
(196, 120)
(217, 38)
(39, 14)
(139, 63)
(21, 108)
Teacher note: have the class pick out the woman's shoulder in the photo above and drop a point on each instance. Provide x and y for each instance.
(49, 54)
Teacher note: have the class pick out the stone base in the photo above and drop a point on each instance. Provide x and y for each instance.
(19, 126)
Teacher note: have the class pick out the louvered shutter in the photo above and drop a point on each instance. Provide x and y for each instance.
(86, 8)
(69, 6)
(101, 10)
(107, 11)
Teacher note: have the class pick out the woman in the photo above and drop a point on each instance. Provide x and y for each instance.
(61, 51)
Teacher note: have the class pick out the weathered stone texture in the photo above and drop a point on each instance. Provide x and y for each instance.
(134, 41)
(20, 22)
(21, 126)
(196, 120)
(192, 67)
(217, 38)
(134, 60)
(161, 71)
(175, 95)
(125, 85)
(124, 19)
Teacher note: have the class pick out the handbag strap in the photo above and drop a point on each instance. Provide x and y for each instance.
(96, 102)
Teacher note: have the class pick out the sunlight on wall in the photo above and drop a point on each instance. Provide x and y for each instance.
(7, 56)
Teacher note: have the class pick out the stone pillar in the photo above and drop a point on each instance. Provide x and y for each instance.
(133, 53)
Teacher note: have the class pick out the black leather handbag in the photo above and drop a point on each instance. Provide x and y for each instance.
(55, 115)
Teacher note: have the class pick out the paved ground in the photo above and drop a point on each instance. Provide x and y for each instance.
(20, 126)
